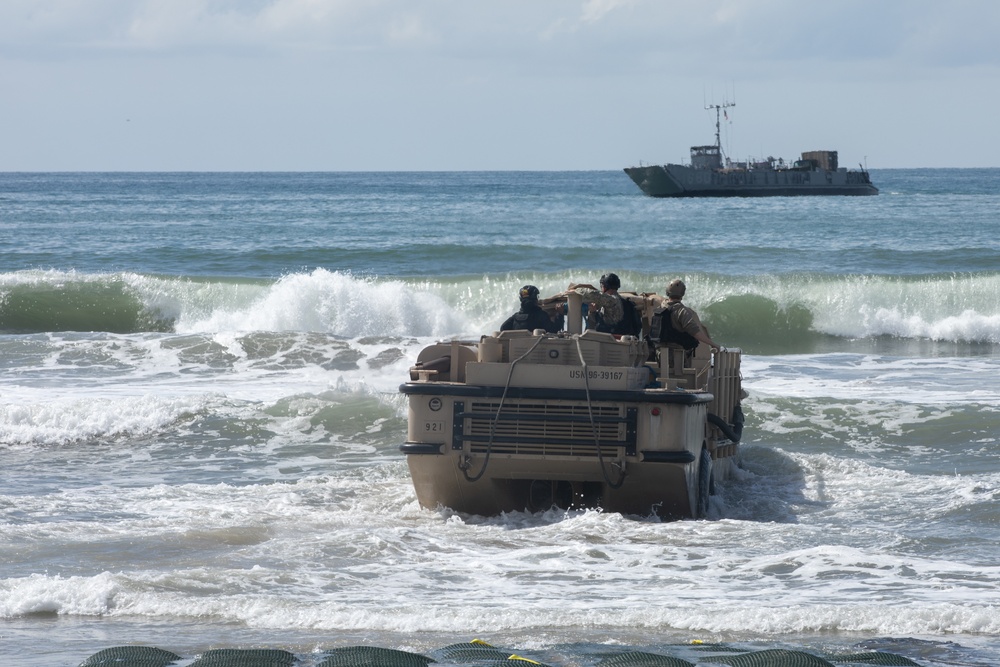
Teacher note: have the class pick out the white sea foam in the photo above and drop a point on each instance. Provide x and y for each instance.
(258, 482)
(264, 598)
(38, 593)
(350, 550)
(65, 421)
(329, 302)
(952, 308)
(955, 308)
(885, 380)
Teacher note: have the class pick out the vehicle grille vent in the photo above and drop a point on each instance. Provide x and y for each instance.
(542, 429)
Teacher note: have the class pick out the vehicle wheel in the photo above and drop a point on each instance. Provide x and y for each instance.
(540, 496)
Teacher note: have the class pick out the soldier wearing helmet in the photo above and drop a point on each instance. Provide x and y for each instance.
(676, 325)
(629, 323)
(531, 316)
(605, 304)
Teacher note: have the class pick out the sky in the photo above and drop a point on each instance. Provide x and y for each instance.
(439, 85)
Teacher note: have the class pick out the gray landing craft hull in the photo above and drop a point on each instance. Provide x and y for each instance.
(674, 180)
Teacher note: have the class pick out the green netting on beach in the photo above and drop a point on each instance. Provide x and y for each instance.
(777, 657)
(372, 656)
(471, 652)
(873, 658)
(255, 657)
(643, 659)
(131, 656)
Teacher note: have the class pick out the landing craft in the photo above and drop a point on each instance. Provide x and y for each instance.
(710, 174)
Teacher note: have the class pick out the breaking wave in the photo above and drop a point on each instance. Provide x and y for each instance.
(762, 313)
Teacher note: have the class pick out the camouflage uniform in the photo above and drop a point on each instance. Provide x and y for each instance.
(610, 305)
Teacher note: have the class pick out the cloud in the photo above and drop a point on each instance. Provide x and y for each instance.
(595, 10)
(494, 83)
(410, 29)
(290, 15)
(95, 26)
(718, 35)
(592, 13)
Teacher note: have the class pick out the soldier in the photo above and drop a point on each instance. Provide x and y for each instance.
(531, 316)
(605, 308)
(630, 323)
(675, 325)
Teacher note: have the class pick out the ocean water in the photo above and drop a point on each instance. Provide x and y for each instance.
(199, 417)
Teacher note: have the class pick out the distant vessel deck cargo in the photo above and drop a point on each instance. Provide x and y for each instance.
(711, 174)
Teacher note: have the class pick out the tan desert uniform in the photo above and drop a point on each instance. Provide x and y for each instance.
(684, 319)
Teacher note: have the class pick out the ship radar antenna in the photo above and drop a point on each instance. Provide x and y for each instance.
(719, 109)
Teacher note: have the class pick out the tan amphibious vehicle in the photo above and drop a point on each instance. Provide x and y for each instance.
(528, 420)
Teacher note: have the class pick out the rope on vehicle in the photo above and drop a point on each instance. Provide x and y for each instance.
(466, 461)
(593, 425)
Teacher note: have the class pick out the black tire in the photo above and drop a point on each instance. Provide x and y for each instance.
(706, 482)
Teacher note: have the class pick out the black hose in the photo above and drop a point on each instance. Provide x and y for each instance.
(732, 431)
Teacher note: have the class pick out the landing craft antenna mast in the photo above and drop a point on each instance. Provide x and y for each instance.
(718, 109)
